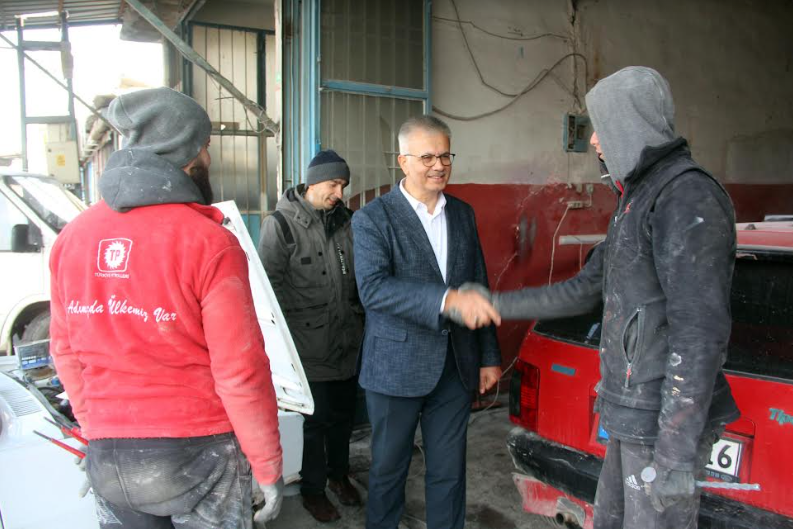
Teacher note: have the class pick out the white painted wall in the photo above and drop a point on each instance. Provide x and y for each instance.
(729, 63)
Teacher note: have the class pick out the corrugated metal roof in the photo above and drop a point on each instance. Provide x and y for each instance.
(80, 12)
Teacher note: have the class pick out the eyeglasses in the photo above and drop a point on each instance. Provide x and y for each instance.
(429, 159)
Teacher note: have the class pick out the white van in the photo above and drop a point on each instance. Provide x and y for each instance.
(33, 209)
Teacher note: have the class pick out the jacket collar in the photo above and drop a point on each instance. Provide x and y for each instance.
(135, 178)
(304, 214)
(396, 202)
(293, 202)
(417, 205)
(652, 155)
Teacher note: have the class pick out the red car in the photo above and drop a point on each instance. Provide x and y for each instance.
(558, 447)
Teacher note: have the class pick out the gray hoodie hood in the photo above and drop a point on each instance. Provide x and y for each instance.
(134, 178)
(630, 110)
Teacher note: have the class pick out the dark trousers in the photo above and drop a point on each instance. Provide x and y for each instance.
(443, 414)
(621, 501)
(190, 483)
(326, 434)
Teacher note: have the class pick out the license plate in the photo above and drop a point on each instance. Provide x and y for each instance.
(725, 459)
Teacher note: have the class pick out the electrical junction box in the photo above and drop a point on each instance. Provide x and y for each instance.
(62, 161)
(574, 133)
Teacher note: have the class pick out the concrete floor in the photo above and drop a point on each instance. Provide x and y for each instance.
(493, 501)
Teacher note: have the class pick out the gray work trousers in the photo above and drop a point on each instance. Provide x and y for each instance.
(621, 501)
(184, 483)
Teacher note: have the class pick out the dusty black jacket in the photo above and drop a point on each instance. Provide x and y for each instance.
(663, 274)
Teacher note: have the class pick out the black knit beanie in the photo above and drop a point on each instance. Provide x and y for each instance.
(162, 121)
(327, 165)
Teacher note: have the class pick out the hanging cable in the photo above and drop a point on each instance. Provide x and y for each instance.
(499, 36)
(471, 54)
(528, 88)
(553, 242)
(537, 80)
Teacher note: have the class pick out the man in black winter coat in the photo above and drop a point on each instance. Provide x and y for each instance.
(306, 249)
(663, 274)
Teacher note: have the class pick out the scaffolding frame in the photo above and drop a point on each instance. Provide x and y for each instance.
(64, 47)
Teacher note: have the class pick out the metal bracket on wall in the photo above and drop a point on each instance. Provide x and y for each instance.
(191, 55)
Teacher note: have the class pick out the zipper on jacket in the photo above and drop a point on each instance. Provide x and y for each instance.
(342, 260)
(639, 331)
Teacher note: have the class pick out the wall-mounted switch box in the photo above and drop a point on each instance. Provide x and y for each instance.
(574, 133)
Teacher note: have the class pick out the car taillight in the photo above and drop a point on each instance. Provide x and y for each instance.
(524, 395)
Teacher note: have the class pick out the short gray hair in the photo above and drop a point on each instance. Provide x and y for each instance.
(423, 122)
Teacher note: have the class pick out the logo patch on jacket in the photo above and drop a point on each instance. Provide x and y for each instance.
(113, 255)
(631, 482)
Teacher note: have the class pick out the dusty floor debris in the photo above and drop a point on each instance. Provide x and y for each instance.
(492, 500)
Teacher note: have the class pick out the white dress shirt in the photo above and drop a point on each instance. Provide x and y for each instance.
(434, 225)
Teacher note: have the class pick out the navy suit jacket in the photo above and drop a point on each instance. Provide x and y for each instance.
(406, 339)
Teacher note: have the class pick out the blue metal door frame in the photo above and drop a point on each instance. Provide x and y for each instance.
(252, 218)
(302, 120)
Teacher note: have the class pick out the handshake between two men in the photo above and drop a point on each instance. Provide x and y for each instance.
(471, 306)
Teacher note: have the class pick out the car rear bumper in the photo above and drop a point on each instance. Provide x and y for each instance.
(575, 474)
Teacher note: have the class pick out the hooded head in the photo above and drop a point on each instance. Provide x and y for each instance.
(630, 110)
(163, 160)
(161, 121)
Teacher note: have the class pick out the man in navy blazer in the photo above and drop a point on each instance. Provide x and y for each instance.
(413, 248)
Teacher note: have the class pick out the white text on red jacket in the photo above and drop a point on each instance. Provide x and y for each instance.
(119, 307)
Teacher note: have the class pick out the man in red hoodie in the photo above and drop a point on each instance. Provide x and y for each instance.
(155, 336)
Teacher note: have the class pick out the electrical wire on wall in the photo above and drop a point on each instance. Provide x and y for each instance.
(533, 84)
(553, 242)
(505, 37)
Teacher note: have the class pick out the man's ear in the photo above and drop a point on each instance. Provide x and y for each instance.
(403, 160)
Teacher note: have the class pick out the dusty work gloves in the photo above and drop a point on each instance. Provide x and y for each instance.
(667, 487)
(81, 463)
(273, 497)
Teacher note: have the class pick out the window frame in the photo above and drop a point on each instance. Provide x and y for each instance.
(23, 209)
(302, 137)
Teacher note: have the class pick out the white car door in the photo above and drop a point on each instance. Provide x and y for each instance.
(289, 379)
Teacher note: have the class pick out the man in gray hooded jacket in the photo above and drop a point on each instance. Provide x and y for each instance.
(663, 274)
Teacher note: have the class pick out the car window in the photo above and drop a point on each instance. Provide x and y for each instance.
(47, 198)
(761, 342)
(762, 314)
(11, 219)
(580, 330)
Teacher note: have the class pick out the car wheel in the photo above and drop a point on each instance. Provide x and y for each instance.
(37, 329)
